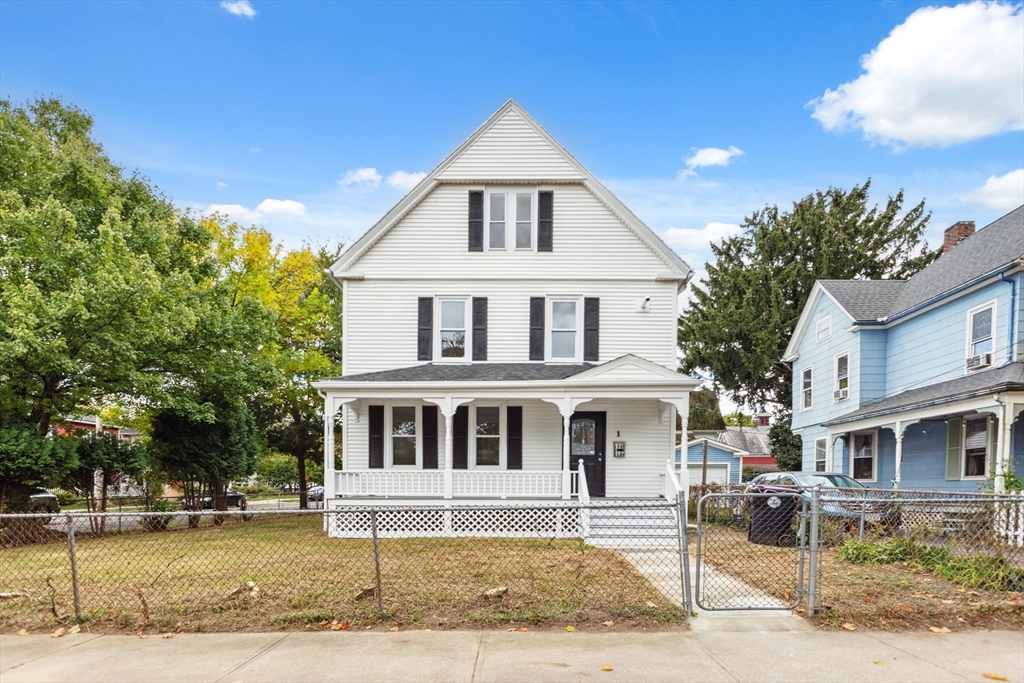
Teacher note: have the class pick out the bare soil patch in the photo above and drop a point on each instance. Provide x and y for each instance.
(285, 573)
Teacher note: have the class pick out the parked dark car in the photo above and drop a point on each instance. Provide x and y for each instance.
(842, 497)
(235, 499)
(43, 501)
(315, 494)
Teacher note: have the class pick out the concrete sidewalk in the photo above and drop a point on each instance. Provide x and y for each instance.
(713, 655)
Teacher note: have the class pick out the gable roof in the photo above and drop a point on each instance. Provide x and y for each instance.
(737, 452)
(997, 246)
(553, 161)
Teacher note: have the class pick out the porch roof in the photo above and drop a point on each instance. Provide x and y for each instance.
(1007, 378)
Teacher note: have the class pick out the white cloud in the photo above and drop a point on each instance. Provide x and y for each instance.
(282, 207)
(235, 212)
(709, 156)
(405, 181)
(240, 8)
(221, 184)
(362, 177)
(1003, 192)
(254, 150)
(944, 76)
(691, 239)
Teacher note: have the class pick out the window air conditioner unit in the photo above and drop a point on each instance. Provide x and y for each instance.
(982, 360)
(842, 394)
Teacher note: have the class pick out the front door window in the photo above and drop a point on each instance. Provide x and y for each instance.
(584, 434)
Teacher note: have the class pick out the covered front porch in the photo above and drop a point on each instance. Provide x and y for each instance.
(470, 434)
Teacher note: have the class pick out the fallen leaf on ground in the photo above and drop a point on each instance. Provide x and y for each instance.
(343, 625)
(651, 604)
(58, 633)
(570, 629)
(799, 610)
(947, 602)
(167, 636)
(850, 627)
(938, 629)
(608, 623)
(879, 662)
(607, 668)
(393, 628)
(906, 608)
(995, 677)
(142, 635)
(522, 629)
(22, 632)
(869, 597)
(75, 629)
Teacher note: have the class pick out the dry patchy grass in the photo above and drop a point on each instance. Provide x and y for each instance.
(198, 580)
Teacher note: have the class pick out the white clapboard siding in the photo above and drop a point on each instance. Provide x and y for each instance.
(381, 324)
(510, 150)
(589, 242)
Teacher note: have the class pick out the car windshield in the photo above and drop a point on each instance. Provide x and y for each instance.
(832, 480)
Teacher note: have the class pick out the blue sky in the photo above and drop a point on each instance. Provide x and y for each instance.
(229, 104)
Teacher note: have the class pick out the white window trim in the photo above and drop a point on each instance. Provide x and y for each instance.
(874, 454)
(467, 357)
(548, 328)
(824, 458)
(803, 371)
(820, 326)
(389, 451)
(510, 192)
(967, 332)
(963, 444)
(835, 375)
(502, 438)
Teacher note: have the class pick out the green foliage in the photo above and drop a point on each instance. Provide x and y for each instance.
(277, 469)
(102, 455)
(787, 447)
(742, 317)
(28, 459)
(705, 413)
(739, 419)
(978, 571)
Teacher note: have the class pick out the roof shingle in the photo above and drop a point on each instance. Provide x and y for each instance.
(468, 372)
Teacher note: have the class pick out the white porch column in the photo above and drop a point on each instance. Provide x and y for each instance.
(566, 446)
(330, 480)
(898, 476)
(830, 464)
(1003, 439)
(448, 405)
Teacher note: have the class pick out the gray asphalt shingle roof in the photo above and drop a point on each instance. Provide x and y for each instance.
(1008, 377)
(997, 244)
(469, 372)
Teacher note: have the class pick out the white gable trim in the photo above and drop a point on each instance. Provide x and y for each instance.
(658, 373)
(805, 320)
(737, 452)
(680, 268)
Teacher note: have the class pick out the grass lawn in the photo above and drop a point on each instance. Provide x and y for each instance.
(897, 596)
(199, 580)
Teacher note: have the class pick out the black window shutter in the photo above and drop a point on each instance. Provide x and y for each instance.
(592, 329)
(425, 334)
(377, 437)
(514, 420)
(460, 439)
(536, 328)
(545, 220)
(430, 437)
(479, 328)
(476, 220)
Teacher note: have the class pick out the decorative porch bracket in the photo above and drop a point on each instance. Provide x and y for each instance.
(567, 406)
(448, 405)
(332, 404)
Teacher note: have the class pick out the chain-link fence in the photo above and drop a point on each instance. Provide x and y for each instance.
(357, 567)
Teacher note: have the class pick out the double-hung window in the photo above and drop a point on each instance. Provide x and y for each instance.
(403, 436)
(805, 389)
(565, 338)
(820, 452)
(510, 211)
(488, 436)
(976, 443)
(864, 456)
(980, 323)
(453, 331)
(842, 385)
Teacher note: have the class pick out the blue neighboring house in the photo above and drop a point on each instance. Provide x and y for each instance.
(725, 462)
(918, 383)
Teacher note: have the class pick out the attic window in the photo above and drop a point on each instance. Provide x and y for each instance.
(511, 218)
(824, 329)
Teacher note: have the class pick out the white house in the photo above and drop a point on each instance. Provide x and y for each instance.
(506, 321)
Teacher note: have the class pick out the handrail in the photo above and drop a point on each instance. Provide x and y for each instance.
(584, 491)
(676, 491)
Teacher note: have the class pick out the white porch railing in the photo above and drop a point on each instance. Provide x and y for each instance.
(506, 483)
(465, 483)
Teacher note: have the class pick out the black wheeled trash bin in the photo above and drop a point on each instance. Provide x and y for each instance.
(771, 519)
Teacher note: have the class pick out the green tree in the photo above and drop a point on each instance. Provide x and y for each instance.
(739, 419)
(705, 413)
(277, 469)
(101, 456)
(743, 315)
(787, 447)
(26, 459)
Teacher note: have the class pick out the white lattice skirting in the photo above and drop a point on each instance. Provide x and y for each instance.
(455, 521)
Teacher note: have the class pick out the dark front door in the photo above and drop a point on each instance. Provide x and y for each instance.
(586, 443)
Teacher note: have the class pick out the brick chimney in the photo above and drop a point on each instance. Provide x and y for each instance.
(763, 420)
(957, 233)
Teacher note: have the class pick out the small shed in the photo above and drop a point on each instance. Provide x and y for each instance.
(725, 462)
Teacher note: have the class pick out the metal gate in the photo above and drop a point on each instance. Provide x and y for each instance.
(756, 551)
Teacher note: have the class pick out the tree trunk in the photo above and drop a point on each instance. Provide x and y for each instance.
(303, 498)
